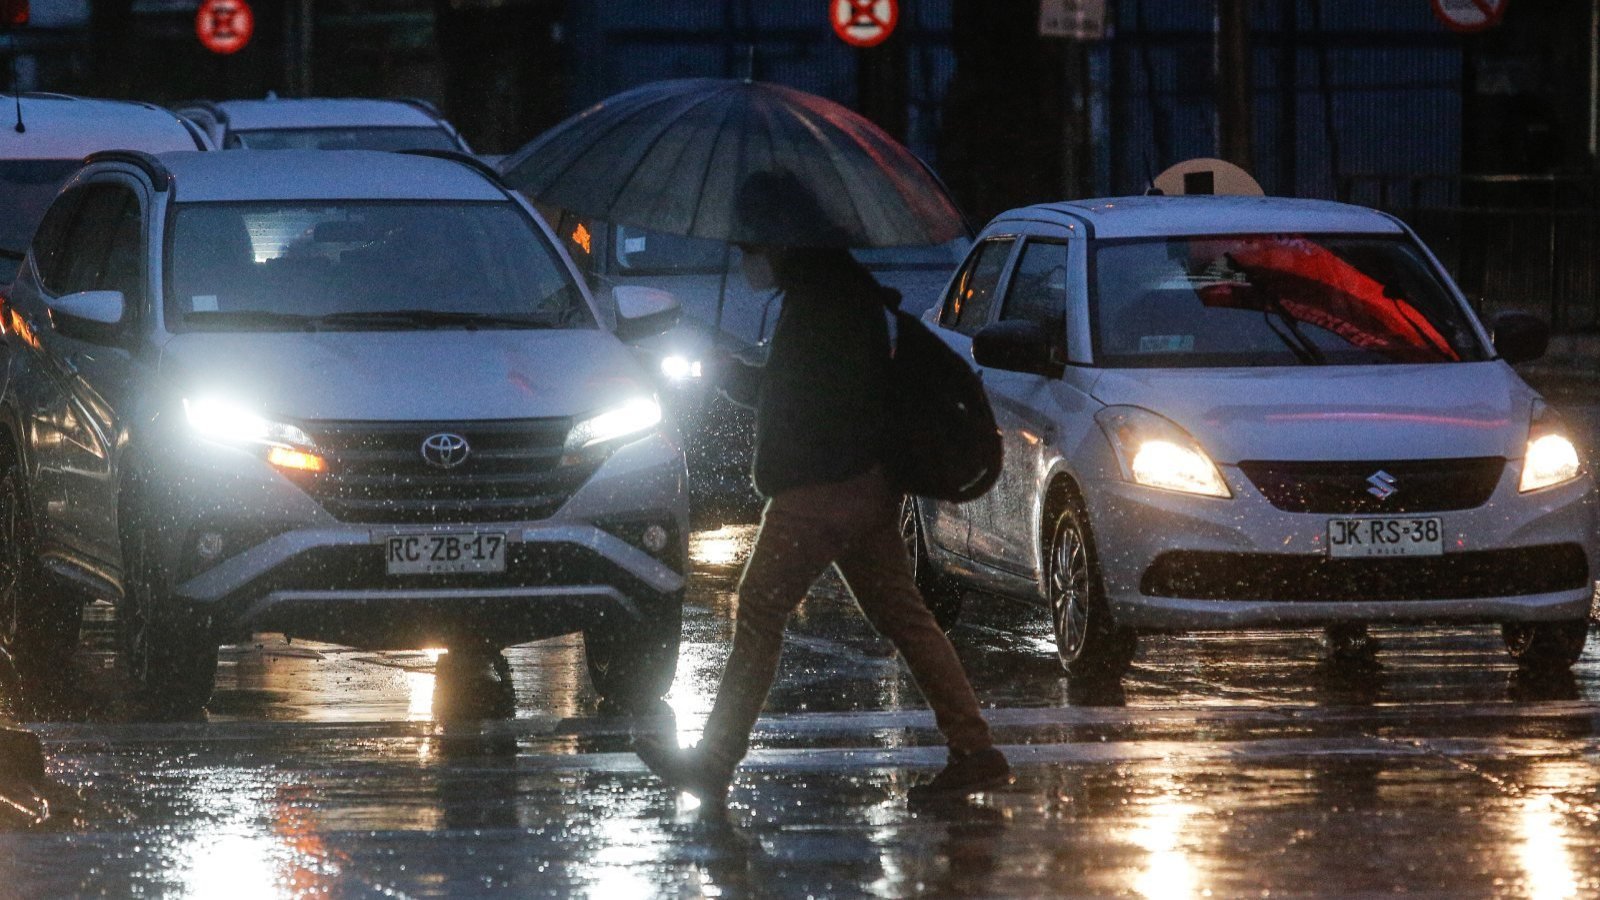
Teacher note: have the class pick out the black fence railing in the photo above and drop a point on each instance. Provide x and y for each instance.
(1524, 242)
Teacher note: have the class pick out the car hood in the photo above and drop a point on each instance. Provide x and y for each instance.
(1389, 412)
(437, 375)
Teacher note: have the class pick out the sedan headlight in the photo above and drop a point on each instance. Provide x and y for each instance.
(1156, 453)
(681, 368)
(230, 423)
(1551, 458)
(634, 417)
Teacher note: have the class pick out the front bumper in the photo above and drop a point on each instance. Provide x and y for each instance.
(290, 566)
(1173, 562)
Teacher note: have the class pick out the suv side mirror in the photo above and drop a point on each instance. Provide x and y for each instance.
(644, 311)
(1520, 337)
(87, 315)
(1016, 345)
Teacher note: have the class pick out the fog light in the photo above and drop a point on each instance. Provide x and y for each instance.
(208, 546)
(655, 539)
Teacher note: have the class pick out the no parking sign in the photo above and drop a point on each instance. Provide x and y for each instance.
(1469, 16)
(224, 26)
(864, 23)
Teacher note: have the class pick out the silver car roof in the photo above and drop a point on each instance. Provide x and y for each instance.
(323, 175)
(1158, 216)
(324, 112)
(59, 126)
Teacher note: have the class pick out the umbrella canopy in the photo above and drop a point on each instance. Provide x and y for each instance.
(673, 156)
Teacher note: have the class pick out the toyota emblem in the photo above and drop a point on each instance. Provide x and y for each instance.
(445, 450)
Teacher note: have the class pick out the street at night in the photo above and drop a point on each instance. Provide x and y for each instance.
(1226, 766)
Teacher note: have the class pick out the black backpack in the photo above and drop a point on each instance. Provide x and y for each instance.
(943, 442)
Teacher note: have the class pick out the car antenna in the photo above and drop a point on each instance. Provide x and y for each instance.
(16, 94)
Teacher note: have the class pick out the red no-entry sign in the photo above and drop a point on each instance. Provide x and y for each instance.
(224, 26)
(1469, 16)
(864, 23)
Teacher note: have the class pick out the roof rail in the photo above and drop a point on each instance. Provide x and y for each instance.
(426, 106)
(465, 159)
(210, 106)
(160, 176)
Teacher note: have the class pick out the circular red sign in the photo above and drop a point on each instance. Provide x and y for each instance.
(224, 26)
(1470, 16)
(864, 23)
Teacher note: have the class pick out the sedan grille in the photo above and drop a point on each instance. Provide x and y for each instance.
(1404, 486)
(376, 471)
(1511, 572)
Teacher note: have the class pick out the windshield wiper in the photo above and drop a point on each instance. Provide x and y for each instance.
(8, 253)
(428, 318)
(252, 318)
(1303, 348)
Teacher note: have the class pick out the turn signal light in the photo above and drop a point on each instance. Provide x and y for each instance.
(13, 12)
(300, 461)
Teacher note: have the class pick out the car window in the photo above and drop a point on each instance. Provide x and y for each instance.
(1038, 291)
(1274, 299)
(237, 265)
(400, 138)
(85, 259)
(51, 236)
(640, 251)
(966, 307)
(26, 188)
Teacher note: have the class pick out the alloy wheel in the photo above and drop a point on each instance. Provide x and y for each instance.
(1069, 588)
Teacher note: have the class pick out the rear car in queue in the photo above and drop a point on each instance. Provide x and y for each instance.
(1229, 413)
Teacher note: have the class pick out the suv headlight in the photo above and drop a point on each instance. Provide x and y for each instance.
(1550, 458)
(287, 446)
(633, 417)
(1156, 453)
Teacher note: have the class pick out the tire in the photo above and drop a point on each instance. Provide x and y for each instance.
(39, 619)
(1545, 646)
(632, 662)
(940, 592)
(1088, 643)
(168, 652)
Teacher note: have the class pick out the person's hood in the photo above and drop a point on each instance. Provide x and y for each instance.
(1388, 412)
(438, 375)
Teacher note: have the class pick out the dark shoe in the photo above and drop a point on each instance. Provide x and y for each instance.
(685, 770)
(965, 773)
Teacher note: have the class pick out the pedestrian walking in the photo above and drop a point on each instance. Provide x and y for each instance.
(820, 404)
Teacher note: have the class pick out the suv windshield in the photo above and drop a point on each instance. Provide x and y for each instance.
(399, 138)
(1273, 300)
(369, 264)
(26, 188)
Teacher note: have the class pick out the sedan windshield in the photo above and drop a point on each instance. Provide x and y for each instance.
(26, 188)
(364, 266)
(399, 138)
(1274, 300)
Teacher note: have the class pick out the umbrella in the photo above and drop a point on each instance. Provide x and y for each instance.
(672, 156)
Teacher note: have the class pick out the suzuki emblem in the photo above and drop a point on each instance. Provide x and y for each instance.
(1383, 485)
(445, 450)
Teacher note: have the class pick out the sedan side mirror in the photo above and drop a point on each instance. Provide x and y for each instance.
(644, 311)
(1016, 345)
(88, 315)
(1520, 337)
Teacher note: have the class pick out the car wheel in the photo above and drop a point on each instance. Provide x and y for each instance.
(942, 593)
(1087, 641)
(632, 662)
(1545, 646)
(39, 621)
(169, 654)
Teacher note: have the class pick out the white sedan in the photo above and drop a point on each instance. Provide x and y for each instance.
(1227, 412)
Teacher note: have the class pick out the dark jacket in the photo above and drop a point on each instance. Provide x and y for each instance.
(820, 398)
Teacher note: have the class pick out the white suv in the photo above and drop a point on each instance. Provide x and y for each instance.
(44, 140)
(354, 396)
(1227, 413)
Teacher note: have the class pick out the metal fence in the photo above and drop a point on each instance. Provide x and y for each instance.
(1524, 242)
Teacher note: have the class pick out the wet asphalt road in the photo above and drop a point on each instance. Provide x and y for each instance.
(1227, 766)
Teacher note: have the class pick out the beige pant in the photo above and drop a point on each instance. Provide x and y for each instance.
(854, 525)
